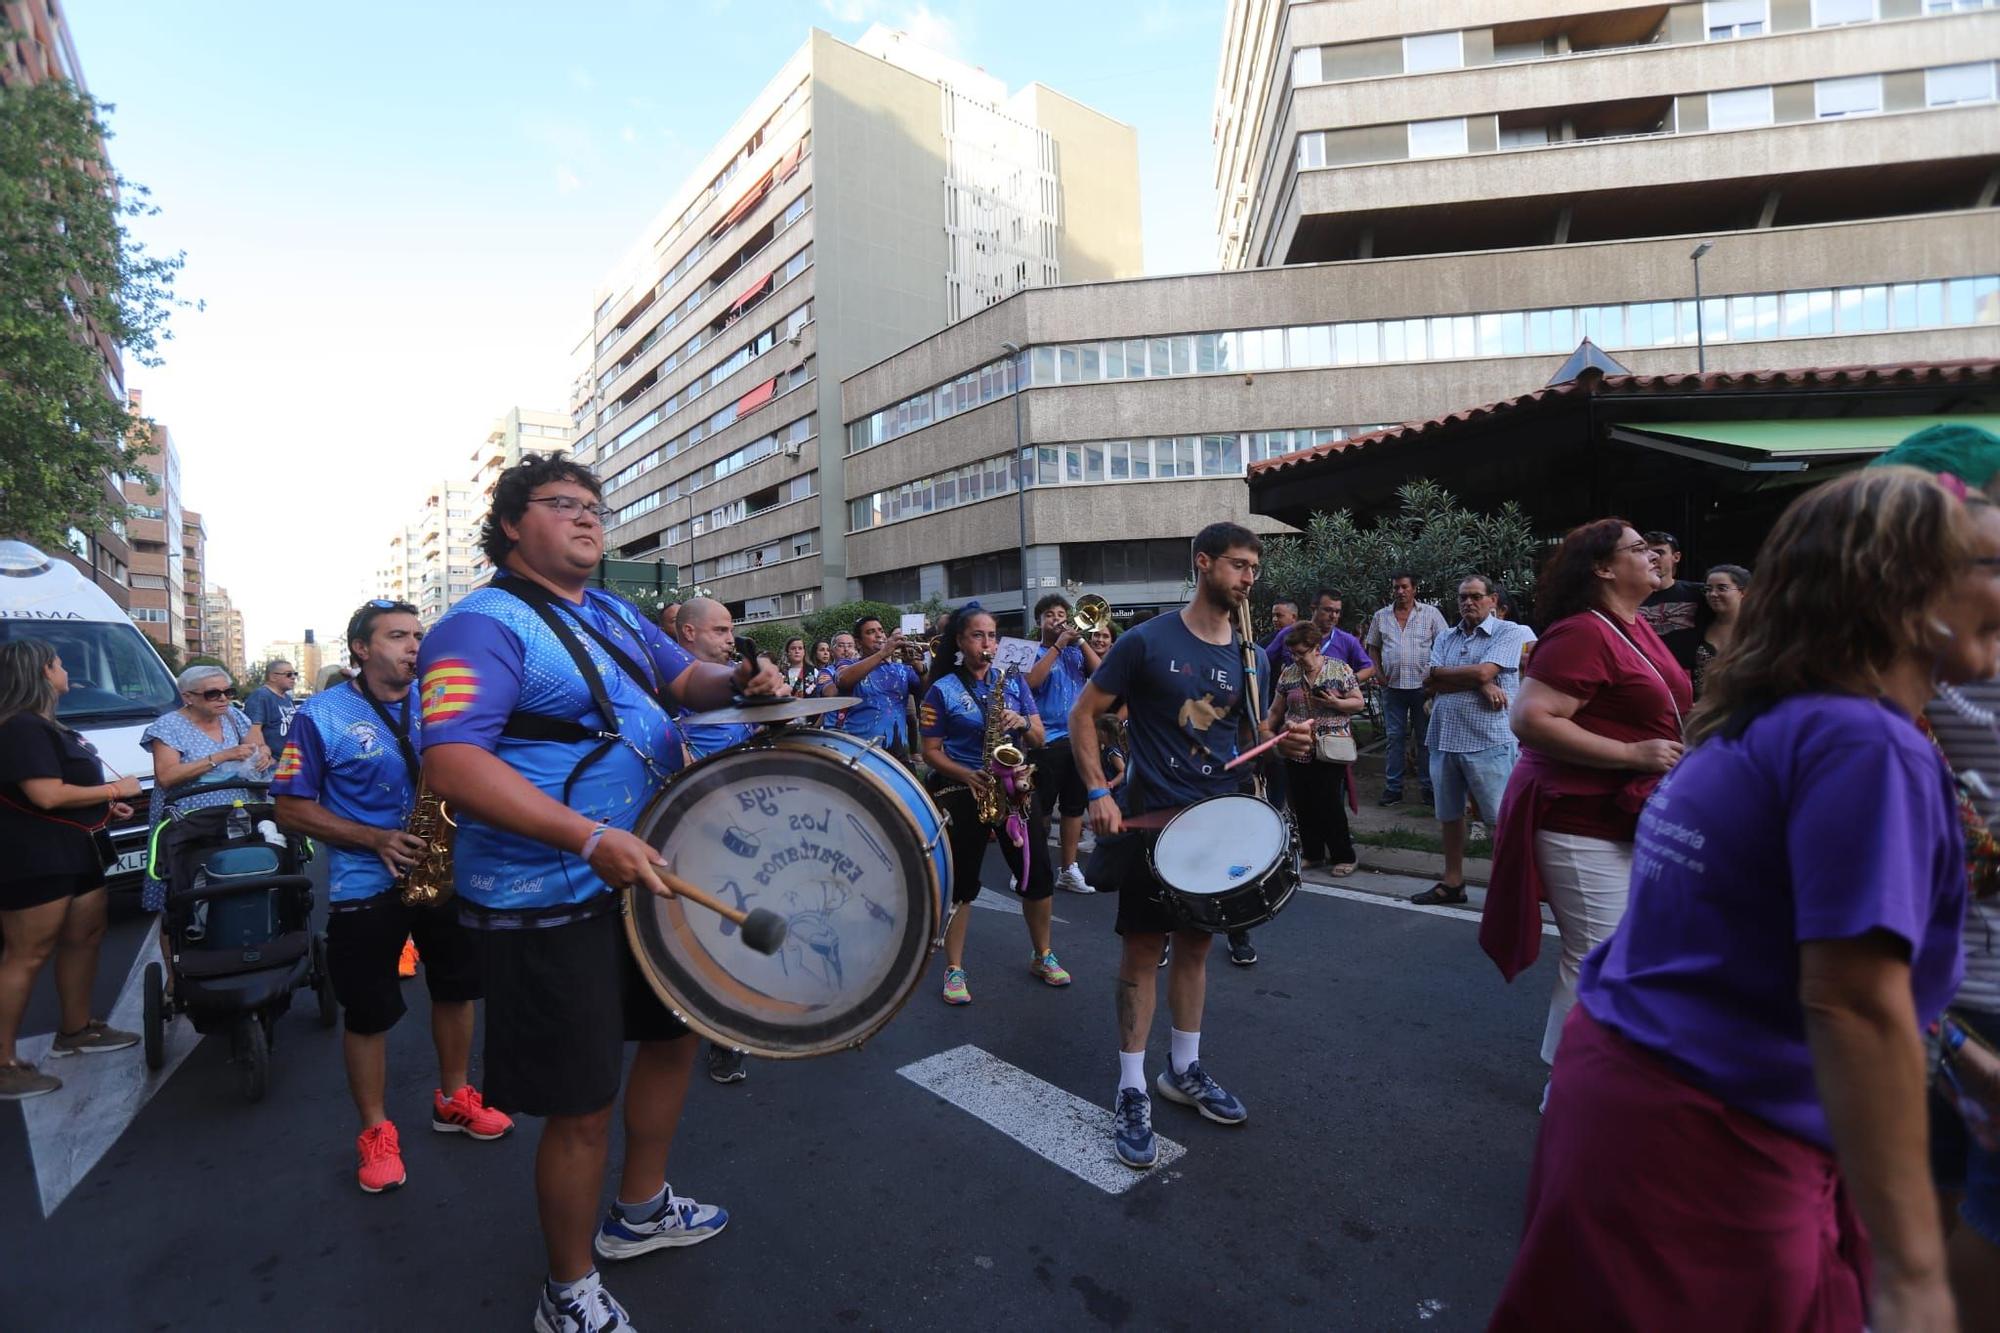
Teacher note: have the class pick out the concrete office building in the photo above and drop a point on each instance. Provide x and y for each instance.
(1423, 221)
(521, 430)
(870, 195)
(40, 49)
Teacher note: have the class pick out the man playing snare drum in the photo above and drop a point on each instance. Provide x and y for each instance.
(1182, 679)
(546, 727)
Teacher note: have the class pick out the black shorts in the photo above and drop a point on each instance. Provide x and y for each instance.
(1058, 781)
(18, 895)
(1125, 862)
(561, 1002)
(363, 943)
(969, 837)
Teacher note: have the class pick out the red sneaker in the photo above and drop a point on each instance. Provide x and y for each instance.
(465, 1112)
(381, 1159)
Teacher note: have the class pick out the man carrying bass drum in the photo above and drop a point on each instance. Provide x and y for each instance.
(1182, 678)
(546, 727)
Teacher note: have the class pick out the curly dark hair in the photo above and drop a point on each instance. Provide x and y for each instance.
(1568, 584)
(511, 492)
(1048, 600)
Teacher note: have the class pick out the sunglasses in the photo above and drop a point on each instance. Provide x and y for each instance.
(213, 696)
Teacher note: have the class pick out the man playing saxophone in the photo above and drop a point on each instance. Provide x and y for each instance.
(348, 777)
(964, 720)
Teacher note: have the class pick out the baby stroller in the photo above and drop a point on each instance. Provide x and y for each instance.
(238, 926)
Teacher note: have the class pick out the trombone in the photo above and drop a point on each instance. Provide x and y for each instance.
(1092, 614)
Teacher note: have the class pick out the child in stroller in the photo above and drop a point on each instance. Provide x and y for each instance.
(236, 925)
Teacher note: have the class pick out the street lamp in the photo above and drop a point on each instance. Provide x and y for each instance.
(1020, 473)
(1700, 338)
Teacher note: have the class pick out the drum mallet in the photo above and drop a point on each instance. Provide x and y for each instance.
(763, 929)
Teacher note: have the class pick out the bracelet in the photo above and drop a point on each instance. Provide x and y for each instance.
(1097, 793)
(590, 843)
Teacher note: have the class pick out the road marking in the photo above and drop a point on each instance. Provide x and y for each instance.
(1404, 904)
(995, 901)
(71, 1129)
(1047, 1121)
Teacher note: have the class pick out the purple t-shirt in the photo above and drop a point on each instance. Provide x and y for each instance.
(1830, 817)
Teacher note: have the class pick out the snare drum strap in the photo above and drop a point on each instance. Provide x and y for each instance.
(528, 726)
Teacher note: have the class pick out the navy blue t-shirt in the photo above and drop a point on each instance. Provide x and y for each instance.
(1186, 702)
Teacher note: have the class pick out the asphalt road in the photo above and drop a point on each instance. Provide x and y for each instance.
(1391, 1080)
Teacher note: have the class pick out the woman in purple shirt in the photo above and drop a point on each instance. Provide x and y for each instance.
(1741, 1085)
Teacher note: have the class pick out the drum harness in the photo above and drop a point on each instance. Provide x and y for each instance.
(524, 725)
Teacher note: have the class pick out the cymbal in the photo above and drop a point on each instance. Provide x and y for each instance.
(777, 710)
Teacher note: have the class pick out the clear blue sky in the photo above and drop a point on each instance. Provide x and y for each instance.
(396, 215)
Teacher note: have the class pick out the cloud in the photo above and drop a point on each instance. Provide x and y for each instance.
(853, 11)
(939, 32)
(928, 28)
(579, 78)
(629, 135)
(567, 181)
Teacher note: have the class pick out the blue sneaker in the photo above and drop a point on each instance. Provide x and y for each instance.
(1193, 1087)
(588, 1308)
(680, 1222)
(1132, 1129)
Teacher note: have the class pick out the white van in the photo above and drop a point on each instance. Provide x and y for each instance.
(117, 682)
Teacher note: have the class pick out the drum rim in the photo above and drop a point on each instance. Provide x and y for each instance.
(643, 927)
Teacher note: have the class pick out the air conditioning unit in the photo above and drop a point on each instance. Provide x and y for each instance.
(793, 448)
(797, 336)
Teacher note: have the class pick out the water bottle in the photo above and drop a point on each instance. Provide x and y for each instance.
(239, 822)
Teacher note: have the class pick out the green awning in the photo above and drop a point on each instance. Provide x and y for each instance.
(1812, 436)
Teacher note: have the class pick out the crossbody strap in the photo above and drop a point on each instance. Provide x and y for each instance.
(1650, 666)
(401, 730)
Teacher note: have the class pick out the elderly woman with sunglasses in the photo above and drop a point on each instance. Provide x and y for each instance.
(206, 737)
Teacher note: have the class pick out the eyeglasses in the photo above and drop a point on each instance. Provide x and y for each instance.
(1474, 596)
(568, 506)
(284, 673)
(1248, 566)
(1636, 548)
(212, 696)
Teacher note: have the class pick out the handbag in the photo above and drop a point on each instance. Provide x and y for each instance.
(1330, 748)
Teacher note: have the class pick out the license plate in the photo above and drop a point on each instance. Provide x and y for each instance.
(131, 863)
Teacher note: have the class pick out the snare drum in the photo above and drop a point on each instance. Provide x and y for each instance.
(1227, 863)
(832, 835)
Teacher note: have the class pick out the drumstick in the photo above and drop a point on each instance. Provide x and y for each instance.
(1253, 752)
(763, 930)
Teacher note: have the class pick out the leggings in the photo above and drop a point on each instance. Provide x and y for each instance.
(968, 846)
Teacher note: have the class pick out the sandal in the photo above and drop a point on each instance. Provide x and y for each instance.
(1439, 894)
(1343, 870)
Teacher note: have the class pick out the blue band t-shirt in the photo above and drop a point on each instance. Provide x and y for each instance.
(956, 713)
(1058, 692)
(339, 753)
(492, 655)
(1185, 701)
(881, 714)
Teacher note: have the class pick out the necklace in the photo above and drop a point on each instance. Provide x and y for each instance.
(1967, 709)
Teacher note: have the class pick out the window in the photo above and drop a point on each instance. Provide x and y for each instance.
(1305, 66)
(1163, 560)
(1956, 6)
(1859, 96)
(1740, 108)
(898, 587)
(1523, 136)
(978, 575)
(1437, 138)
(1951, 85)
(1832, 13)
(1433, 50)
(152, 615)
(1735, 18)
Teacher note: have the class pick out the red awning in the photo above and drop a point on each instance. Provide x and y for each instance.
(757, 397)
(751, 293)
(789, 162)
(744, 205)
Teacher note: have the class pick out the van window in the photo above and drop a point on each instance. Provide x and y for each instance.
(114, 674)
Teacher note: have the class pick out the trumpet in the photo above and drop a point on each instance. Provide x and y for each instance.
(1092, 614)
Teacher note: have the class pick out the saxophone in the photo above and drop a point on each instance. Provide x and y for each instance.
(429, 881)
(1004, 802)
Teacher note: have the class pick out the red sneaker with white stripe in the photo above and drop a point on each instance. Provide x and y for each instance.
(464, 1112)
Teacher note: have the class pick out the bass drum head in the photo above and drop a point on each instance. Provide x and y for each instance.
(1217, 844)
(790, 830)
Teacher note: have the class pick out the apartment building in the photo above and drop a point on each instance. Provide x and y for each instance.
(438, 549)
(870, 195)
(222, 629)
(156, 529)
(39, 48)
(194, 556)
(521, 430)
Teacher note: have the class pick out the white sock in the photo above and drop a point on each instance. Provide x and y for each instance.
(646, 1210)
(1132, 1070)
(1187, 1049)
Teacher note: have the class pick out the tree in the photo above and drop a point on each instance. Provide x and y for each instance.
(840, 619)
(253, 677)
(170, 654)
(69, 271)
(1430, 536)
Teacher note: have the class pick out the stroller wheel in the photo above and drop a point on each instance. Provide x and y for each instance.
(254, 1054)
(329, 1008)
(155, 1016)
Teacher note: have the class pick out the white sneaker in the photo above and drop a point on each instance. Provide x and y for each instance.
(589, 1309)
(1071, 880)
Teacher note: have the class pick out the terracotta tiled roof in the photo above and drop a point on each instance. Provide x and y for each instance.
(1984, 372)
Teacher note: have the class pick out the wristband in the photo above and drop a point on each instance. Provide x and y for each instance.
(590, 843)
(1096, 793)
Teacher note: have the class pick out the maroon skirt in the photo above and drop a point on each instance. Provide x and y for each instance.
(1654, 1206)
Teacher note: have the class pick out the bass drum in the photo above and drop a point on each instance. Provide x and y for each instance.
(831, 834)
